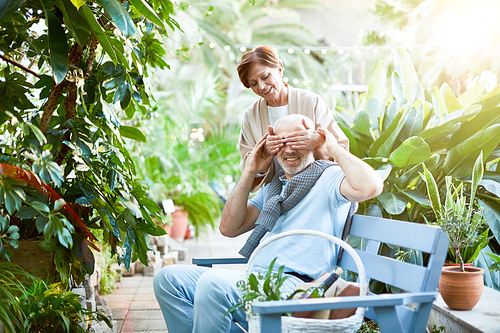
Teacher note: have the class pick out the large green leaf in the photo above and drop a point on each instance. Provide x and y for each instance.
(452, 103)
(449, 121)
(58, 46)
(475, 124)
(132, 133)
(393, 203)
(75, 23)
(362, 123)
(461, 158)
(491, 186)
(490, 100)
(471, 95)
(406, 70)
(98, 31)
(492, 216)
(375, 95)
(439, 106)
(120, 16)
(145, 9)
(412, 151)
(404, 180)
(432, 191)
(9, 7)
(418, 197)
(414, 123)
(389, 114)
(383, 145)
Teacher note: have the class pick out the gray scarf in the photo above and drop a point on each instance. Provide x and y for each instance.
(277, 204)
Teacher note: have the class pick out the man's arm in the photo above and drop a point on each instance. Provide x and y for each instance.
(239, 217)
(361, 182)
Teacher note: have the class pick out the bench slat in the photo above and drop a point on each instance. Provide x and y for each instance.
(406, 234)
(396, 273)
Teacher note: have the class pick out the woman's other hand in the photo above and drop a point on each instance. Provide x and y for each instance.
(308, 139)
(273, 142)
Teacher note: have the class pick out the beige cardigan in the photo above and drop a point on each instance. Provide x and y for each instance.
(256, 121)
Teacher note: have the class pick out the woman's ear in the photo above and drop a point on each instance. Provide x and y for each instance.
(281, 68)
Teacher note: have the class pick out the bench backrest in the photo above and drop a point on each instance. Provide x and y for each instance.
(407, 276)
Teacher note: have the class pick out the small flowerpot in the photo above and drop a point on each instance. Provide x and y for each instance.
(461, 290)
(179, 224)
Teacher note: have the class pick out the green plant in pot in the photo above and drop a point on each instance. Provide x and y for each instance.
(461, 287)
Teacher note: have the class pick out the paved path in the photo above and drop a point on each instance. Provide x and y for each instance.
(134, 306)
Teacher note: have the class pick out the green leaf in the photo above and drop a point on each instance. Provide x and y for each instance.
(432, 191)
(130, 205)
(383, 145)
(452, 103)
(133, 133)
(145, 9)
(461, 158)
(475, 124)
(125, 94)
(98, 31)
(393, 203)
(39, 135)
(471, 95)
(406, 70)
(78, 3)
(120, 16)
(58, 46)
(418, 197)
(375, 95)
(39, 206)
(412, 151)
(77, 26)
(9, 7)
(152, 229)
(362, 123)
(491, 214)
(438, 104)
(252, 281)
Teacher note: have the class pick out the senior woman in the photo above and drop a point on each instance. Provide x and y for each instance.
(261, 70)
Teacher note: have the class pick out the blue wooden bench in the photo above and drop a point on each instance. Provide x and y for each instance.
(389, 310)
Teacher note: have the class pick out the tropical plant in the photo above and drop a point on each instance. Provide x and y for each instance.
(459, 219)
(261, 287)
(12, 285)
(71, 72)
(48, 308)
(396, 132)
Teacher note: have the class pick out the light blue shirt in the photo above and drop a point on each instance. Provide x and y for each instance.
(322, 209)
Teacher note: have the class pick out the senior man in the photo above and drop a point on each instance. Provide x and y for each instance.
(306, 194)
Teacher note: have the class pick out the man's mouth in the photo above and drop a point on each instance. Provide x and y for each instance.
(291, 159)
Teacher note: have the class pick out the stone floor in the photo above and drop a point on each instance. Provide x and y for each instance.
(134, 307)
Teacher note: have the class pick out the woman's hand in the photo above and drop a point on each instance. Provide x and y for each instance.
(259, 160)
(308, 139)
(273, 142)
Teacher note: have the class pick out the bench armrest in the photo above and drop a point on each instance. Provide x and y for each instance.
(208, 262)
(316, 304)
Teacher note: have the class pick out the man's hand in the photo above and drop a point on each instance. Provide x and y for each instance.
(259, 159)
(329, 144)
(273, 142)
(308, 139)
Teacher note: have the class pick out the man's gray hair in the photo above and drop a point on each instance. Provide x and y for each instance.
(292, 118)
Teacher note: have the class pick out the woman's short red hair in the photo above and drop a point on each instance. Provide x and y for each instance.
(266, 55)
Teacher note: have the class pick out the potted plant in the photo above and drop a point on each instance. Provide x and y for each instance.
(461, 287)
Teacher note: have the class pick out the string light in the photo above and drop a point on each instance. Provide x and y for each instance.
(295, 81)
(324, 51)
(211, 45)
(285, 79)
(227, 48)
(307, 51)
(243, 49)
(340, 51)
(375, 51)
(290, 50)
(221, 65)
(358, 51)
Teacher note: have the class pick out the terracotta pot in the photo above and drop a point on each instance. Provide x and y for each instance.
(461, 290)
(179, 223)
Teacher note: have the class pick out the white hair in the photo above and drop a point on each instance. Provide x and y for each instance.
(292, 118)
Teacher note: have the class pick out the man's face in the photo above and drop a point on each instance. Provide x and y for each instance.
(293, 161)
